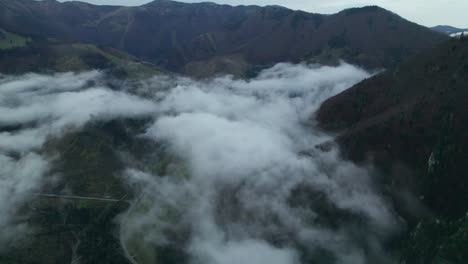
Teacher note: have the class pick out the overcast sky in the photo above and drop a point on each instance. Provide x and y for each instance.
(425, 12)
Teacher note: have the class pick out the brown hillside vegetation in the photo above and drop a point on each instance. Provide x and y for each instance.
(174, 35)
(415, 115)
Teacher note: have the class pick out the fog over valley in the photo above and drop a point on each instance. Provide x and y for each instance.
(242, 155)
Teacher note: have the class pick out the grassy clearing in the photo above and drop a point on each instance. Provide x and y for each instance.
(109, 57)
(9, 40)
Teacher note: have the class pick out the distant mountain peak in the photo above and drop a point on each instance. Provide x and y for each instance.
(159, 2)
(369, 8)
(446, 29)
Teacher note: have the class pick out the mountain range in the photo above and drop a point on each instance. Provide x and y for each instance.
(201, 39)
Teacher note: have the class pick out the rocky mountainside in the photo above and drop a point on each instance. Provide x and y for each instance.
(411, 123)
(187, 37)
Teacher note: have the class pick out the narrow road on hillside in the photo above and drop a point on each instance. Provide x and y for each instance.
(73, 197)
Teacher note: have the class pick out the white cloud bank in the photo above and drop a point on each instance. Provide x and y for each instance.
(250, 184)
(250, 153)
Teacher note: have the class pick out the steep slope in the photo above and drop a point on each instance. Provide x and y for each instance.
(182, 36)
(20, 54)
(409, 114)
(411, 123)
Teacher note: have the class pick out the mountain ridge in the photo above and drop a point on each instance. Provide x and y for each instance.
(176, 35)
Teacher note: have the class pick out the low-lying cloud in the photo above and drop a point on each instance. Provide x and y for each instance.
(243, 180)
(258, 190)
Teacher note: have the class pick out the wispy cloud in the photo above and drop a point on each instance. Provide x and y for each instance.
(32, 109)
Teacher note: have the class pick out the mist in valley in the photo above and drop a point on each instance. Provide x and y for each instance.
(233, 170)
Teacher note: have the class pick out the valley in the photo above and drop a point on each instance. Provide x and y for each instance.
(190, 133)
